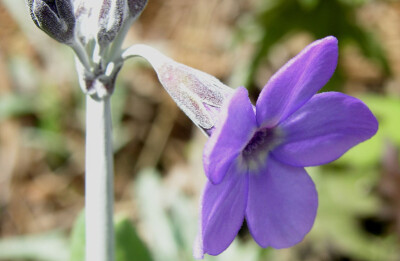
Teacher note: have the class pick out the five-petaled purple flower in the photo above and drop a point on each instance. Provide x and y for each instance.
(256, 155)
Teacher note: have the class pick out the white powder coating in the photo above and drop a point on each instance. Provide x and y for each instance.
(94, 16)
(198, 94)
(191, 89)
(87, 13)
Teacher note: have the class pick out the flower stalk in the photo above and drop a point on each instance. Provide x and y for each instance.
(99, 196)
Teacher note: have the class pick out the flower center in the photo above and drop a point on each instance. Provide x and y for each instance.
(261, 140)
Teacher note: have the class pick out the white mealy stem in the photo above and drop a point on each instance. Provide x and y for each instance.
(153, 56)
(81, 54)
(99, 181)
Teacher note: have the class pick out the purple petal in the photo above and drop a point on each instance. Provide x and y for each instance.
(282, 204)
(325, 128)
(223, 209)
(297, 81)
(235, 128)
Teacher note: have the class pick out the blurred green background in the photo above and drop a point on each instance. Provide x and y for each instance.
(158, 151)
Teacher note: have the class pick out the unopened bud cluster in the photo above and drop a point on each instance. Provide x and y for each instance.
(56, 18)
(94, 29)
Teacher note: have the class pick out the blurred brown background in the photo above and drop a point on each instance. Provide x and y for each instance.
(42, 113)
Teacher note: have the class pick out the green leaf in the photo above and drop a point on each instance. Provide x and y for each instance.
(78, 239)
(345, 195)
(128, 245)
(15, 105)
(51, 246)
(151, 210)
(308, 4)
(279, 19)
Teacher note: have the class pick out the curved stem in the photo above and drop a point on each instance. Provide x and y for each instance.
(99, 196)
(118, 41)
(81, 54)
(152, 55)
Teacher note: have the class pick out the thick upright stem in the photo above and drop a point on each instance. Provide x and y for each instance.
(99, 181)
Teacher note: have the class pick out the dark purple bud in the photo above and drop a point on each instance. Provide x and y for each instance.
(136, 7)
(54, 17)
(29, 3)
(110, 20)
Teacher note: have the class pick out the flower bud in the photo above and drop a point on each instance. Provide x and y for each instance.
(111, 17)
(105, 20)
(54, 17)
(95, 30)
(136, 7)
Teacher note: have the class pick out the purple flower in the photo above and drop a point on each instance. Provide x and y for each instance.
(256, 155)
